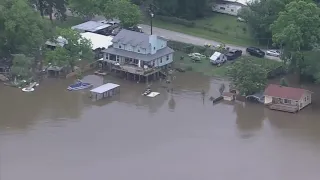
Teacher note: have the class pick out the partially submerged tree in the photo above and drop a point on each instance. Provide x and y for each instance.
(247, 76)
(76, 48)
(21, 66)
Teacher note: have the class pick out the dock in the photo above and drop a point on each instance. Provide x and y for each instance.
(104, 91)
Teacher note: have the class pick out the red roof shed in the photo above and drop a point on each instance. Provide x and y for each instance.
(284, 92)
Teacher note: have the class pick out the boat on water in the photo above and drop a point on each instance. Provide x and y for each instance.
(146, 92)
(79, 85)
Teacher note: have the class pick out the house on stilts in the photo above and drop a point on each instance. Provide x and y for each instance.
(137, 56)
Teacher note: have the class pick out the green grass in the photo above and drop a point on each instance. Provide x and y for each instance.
(224, 28)
(70, 21)
(207, 69)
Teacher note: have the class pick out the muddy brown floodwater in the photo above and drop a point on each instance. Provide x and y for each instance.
(54, 134)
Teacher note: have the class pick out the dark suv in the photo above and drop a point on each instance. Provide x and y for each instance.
(233, 54)
(253, 51)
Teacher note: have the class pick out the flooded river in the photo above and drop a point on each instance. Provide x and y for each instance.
(53, 134)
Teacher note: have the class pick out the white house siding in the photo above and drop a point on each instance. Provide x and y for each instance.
(305, 100)
(226, 8)
(163, 61)
(161, 43)
(267, 99)
(153, 44)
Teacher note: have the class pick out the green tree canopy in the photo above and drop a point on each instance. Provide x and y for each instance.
(75, 49)
(247, 76)
(21, 28)
(297, 26)
(297, 29)
(128, 13)
(260, 15)
(21, 66)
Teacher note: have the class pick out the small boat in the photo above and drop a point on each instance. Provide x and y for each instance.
(146, 92)
(79, 85)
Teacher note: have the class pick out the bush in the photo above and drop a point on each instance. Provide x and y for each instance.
(176, 20)
(189, 48)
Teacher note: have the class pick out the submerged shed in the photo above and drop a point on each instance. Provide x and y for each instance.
(106, 90)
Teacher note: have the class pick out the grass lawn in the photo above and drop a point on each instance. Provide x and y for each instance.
(70, 21)
(223, 28)
(206, 68)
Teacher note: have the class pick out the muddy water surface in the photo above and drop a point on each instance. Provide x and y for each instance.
(55, 134)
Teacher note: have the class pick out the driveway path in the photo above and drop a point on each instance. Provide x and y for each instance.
(177, 36)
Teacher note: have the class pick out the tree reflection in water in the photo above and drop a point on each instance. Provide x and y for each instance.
(250, 117)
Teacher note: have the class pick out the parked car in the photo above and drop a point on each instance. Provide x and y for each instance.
(275, 53)
(253, 51)
(218, 58)
(197, 54)
(195, 57)
(233, 54)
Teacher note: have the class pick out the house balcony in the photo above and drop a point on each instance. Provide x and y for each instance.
(284, 107)
(134, 69)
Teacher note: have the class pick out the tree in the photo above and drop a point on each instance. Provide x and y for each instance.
(260, 15)
(21, 66)
(76, 48)
(50, 7)
(128, 13)
(58, 57)
(21, 28)
(297, 28)
(247, 76)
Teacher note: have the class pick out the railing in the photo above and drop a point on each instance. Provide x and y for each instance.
(135, 69)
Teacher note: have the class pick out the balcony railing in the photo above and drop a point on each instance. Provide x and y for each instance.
(135, 69)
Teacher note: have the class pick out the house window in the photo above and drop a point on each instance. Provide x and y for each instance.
(138, 50)
(231, 10)
(167, 57)
(287, 101)
(160, 60)
(154, 48)
(118, 59)
(222, 8)
(305, 98)
(120, 46)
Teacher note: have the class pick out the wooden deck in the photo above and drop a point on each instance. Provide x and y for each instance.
(285, 108)
(136, 70)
